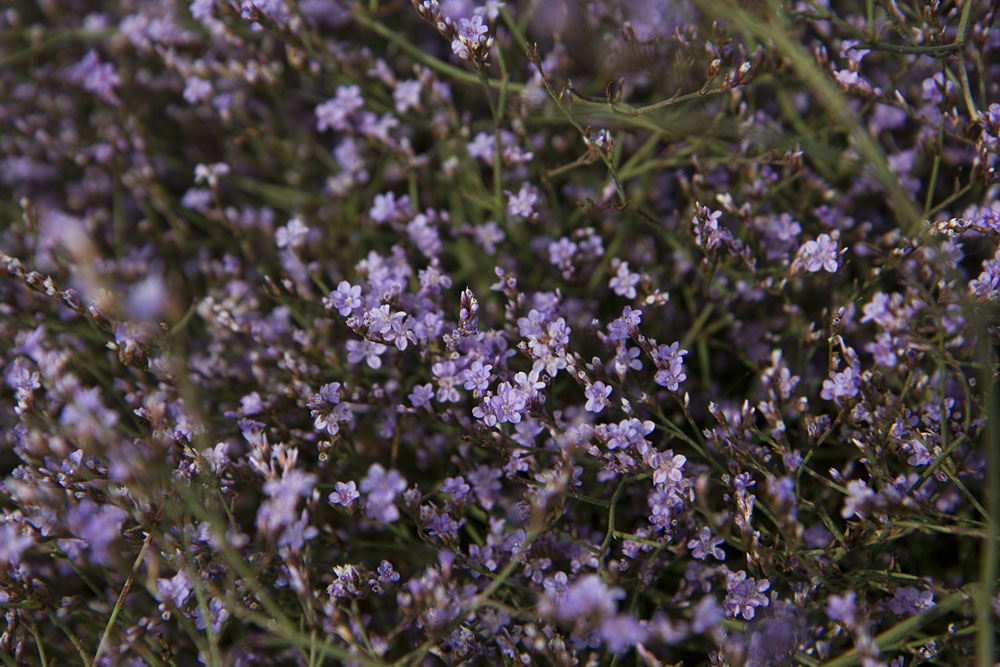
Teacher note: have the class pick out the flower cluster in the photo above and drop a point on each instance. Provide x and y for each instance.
(458, 332)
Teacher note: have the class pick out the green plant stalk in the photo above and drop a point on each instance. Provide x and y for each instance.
(989, 549)
(121, 596)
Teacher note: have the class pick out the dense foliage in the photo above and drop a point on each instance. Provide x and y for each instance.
(548, 332)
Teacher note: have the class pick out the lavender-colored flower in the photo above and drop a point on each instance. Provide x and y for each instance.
(621, 328)
(292, 235)
(620, 632)
(335, 113)
(707, 614)
(508, 404)
(823, 253)
(344, 493)
(381, 488)
(346, 299)
(217, 612)
(859, 498)
(386, 574)
(910, 601)
(365, 350)
(456, 487)
(597, 396)
(522, 205)
(13, 543)
(470, 37)
(407, 95)
(175, 590)
(845, 384)
(843, 608)
(421, 395)
(624, 281)
(744, 594)
(296, 534)
(477, 376)
(587, 603)
(97, 525)
(707, 544)
(326, 409)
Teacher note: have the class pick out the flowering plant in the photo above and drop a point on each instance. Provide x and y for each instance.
(417, 333)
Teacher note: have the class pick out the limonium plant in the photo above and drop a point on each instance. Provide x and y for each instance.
(392, 332)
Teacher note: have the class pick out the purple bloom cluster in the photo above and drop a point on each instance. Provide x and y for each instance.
(417, 333)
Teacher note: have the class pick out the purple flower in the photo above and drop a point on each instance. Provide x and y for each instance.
(597, 397)
(707, 614)
(621, 328)
(522, 204)
(707, 544)
(456, 487)
(508, 404)
(13, 543)
(175, 590)
(859, 498)
(346, 299)
(369, 352)
(407, 95)
(296, 535)
(470, 37)
(218, 613)
(823, 253)
(327, 410)
(386, 574)
(586, 603)
(843, 608)
(292, 235)
(382, 488)
(624, 281)
(335, 113)
(97, 525)
(744, 594)
(421, 395)
(344, 494)
(845, 384)
(621, 632)
(909, 601)
(477, 376)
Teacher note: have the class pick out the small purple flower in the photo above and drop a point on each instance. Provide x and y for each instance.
(477, 376)
(344, 494)
(624, 281)
(386, 574)
(421, 395)
(621, 328)
(745, 594)
(597, 397)
(845, 384)
(910, 601)
(335, 113)
(859, 498)
(508, 404)
(843, 608)
(620, 632)
(175, 590)
(367, 351)
(407, 95)
(707, 544)
(346, 299)
(98, 525)
(292, 235)
(522, 204)
(326, 409)
(382, 488)
(707, 614)
(823, 253)
(456, 487)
